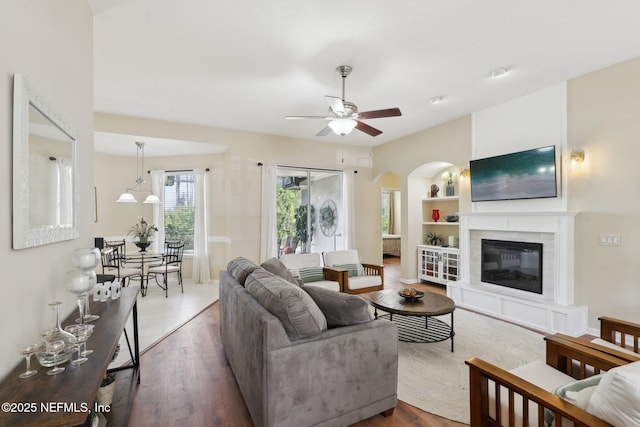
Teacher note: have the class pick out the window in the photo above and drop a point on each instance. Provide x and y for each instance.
(309, 214)
(179, 207)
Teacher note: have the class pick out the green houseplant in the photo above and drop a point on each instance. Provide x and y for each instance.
(304, 233)
(107, 386)
(434, 239)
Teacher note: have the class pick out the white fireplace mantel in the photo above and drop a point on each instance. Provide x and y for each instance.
(551, 312)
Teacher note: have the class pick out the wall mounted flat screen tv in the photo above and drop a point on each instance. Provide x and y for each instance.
(528, 174)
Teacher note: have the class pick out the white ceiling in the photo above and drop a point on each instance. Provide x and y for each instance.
(245, 64)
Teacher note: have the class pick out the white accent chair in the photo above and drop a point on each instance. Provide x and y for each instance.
(361, 277)
(308, 267)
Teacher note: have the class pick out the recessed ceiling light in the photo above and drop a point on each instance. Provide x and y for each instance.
(499, 72)
(436, 100)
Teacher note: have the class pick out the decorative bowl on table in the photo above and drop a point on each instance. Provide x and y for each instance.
(451, 218)
(143, 245)
(410, 294)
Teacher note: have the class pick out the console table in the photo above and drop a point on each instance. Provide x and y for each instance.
(66, 399)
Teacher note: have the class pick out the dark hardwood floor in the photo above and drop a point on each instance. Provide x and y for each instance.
(186, 379)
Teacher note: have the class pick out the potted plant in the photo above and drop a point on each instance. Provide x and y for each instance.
(434, 239)
(108, 384)
(449, 177)
(142, 231)
(302, 231)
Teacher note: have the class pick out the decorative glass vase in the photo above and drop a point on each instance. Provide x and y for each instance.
(449, 189)
(435, 215)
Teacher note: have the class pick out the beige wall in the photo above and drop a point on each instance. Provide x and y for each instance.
(449, 142)
(604, 120)
(51, 44)
(234, 183)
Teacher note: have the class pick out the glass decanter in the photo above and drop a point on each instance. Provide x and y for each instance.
(45, 356)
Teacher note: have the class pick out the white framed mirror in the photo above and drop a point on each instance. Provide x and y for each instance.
(45, 187)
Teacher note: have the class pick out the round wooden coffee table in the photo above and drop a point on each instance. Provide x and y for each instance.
(410, 326)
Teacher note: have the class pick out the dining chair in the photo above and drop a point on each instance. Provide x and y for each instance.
(113, 262)
(171, 263)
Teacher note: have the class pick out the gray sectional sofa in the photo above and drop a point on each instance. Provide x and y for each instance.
(292, 366)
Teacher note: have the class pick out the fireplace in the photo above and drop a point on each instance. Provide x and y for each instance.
(553, 309)
(516, 265)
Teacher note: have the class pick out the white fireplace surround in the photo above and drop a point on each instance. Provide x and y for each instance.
(554, 310)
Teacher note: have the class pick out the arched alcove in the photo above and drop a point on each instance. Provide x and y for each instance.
(419, 187)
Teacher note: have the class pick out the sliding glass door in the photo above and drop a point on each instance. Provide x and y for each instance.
(309, 210)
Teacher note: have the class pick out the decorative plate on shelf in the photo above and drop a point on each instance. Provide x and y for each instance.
(411, 294)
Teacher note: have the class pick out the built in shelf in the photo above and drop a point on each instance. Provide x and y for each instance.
(440, 223)
(441, 199)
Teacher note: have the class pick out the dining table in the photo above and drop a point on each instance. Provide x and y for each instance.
(144, 260)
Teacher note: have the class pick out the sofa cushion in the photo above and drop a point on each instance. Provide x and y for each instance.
(326, 284)
(340, 309)
(275, 266)
(240, 268)
(297, 311)
(613, 346)
(617, 396)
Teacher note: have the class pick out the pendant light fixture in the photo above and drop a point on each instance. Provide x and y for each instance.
(127, 197)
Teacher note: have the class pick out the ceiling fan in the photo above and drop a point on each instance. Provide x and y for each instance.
(344, 116)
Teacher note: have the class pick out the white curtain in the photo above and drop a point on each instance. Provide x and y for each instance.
(268, 242)
(157, 186)
(201, 272)
(349, 210)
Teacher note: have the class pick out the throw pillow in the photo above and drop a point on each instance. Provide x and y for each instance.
(340, 309)
(617, 397)
(354, 269)
(275, 266)
(576, 392)
(311, 274)
(299, 315)
(240, 268)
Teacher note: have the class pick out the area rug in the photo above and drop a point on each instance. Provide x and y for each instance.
(436, 380)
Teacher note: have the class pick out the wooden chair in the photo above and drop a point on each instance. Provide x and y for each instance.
(171, 263)
(370, 278)
(492, 388)
(328, 278)
(502, 398)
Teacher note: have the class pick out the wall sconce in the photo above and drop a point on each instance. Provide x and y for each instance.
(576, 157)
(465, 173)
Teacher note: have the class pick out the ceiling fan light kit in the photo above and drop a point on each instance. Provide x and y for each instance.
(342, 126)
(344, 116)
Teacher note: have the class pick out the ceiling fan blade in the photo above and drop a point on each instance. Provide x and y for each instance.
(335, 103)
(307, 117)
(377, 114)
(361, 126)
(324, 131)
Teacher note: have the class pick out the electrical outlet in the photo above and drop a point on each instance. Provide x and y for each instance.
(609, 240)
